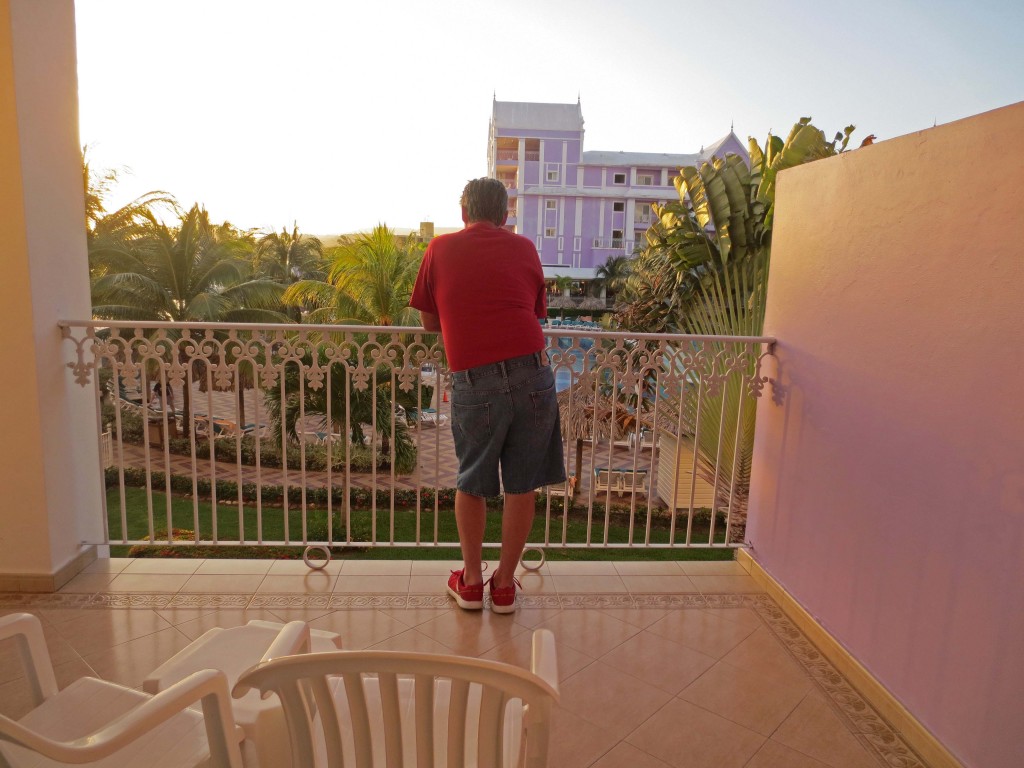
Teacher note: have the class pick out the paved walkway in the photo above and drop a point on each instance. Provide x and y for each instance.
(437, 464)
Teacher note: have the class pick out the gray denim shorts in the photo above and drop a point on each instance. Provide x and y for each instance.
(506, 415)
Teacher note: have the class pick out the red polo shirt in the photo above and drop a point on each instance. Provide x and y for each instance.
(487, 287)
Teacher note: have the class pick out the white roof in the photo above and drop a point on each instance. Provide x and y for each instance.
(642, 159)
(529, 114)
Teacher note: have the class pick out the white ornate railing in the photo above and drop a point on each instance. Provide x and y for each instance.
(339, 435)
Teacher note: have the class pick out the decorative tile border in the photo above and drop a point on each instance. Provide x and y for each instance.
(874, 732)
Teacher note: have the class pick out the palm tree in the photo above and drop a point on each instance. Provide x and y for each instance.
(369, 282)
(193, 272)
(612, 275)
(110, 237)
(288, 257)
(705, 272)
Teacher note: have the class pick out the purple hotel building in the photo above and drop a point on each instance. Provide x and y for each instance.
(579, 207)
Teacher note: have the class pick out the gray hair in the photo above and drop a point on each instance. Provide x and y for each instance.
(485, 200)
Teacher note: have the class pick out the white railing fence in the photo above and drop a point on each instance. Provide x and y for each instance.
(237, 434)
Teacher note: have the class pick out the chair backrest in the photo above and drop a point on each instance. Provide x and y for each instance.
(377, 708)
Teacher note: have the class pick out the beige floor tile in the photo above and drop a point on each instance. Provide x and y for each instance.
(761, 650)
(227, 584)
(107, 565)
(700, 631)
(176, 616)
(519, 651)
(147, 582)
(299, 568)
(816, 730)
(576, 743)
(567, 585)
(371, 584)
(225, 617)
(307, 614)
(658, 661)
(657, 568)
(424, 584)
(581, 568)
(360, 629)
(589, 631)
(625, 755)
(712, 585)
(411, 640)
(56, 616)
(435, 567)
(662, 584)
(612, 700)
(413, 617)
(310, 583)
(130, 663)
(163, 565)
(758, 700)
(638, 617)
(376, 567)
(89, 583)
(684, 735)
(533, 617)
(775, 755)
(96, 631)
(743, 616)
(712, 568)
(537, 582)
(472, 633)
(221, 565)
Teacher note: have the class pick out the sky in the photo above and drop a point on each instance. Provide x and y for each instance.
(343, 114)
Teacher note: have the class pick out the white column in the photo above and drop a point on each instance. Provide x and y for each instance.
(521, 165)
(49, 463)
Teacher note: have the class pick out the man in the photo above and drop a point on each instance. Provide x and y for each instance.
(483, 289)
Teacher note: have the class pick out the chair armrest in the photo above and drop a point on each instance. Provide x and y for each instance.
(35, 658)
(544, 661)
(292, 639)
(208, 686)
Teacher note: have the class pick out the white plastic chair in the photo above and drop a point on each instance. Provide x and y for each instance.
(97, 723)
(234, 650)
(377, 708)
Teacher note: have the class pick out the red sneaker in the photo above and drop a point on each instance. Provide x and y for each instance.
(471, 598)
(503, 599)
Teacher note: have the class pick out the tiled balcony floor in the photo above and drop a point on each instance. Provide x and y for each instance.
(662, 664)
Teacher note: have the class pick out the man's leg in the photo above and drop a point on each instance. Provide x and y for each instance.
(516, 523)
(470, 514)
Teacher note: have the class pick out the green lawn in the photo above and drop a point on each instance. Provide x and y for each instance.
(405, 527)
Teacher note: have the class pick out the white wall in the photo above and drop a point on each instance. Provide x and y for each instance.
(888, 492)
(49, 462)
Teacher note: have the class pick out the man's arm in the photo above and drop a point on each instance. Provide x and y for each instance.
(430, 321)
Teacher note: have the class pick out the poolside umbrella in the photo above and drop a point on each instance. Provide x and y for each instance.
(585, 415)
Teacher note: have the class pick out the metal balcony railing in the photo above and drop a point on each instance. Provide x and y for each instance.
(508, 154)
(340, 435)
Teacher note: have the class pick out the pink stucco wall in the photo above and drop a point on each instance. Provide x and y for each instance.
(888, 491)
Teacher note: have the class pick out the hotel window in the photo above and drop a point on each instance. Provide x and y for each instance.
(550, 232)
(619, 178)
(616, 238)
(551, 205)
(551, 172)
(642, 212)
(644, 180)
(618, 207)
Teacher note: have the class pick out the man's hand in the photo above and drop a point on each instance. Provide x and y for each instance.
(430, 322)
